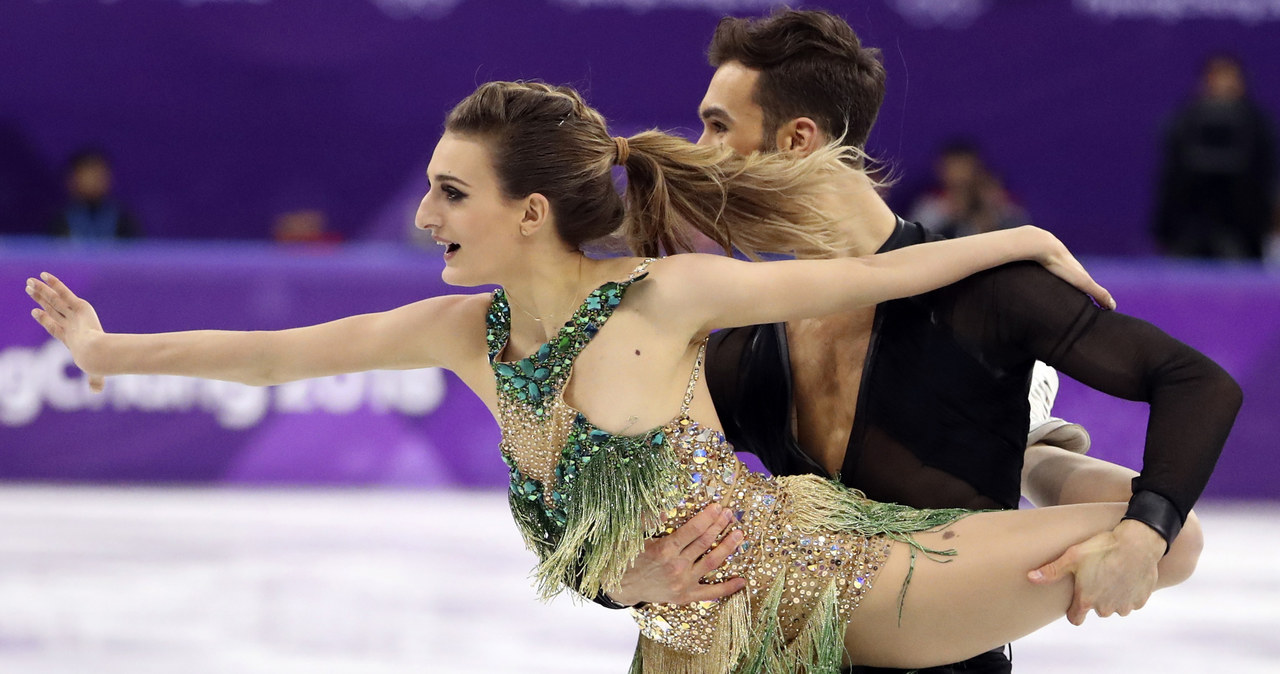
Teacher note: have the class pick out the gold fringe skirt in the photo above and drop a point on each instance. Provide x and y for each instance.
(812, 549)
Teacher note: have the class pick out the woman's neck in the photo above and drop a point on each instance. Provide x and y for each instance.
(548, 291)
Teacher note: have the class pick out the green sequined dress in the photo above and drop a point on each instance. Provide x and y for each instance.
(586, 500)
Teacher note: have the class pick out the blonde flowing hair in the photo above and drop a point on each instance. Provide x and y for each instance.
(545, 139)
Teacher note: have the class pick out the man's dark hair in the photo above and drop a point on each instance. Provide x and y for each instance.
(1220, 59)
(812, 65)
(86, 156)
(959, 147)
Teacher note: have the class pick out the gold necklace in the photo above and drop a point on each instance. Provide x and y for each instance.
(577, 285)
(526, 311)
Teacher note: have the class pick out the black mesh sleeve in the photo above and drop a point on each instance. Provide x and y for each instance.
(1193, 401)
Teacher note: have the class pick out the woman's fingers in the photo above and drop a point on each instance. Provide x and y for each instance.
(1059, 261)
(1101, 295)
(1105, 300)
(47, 297)
(53, 313)
(1089, 285)
(57, 310)
(63, 292)
(1070, 270)
(57, 292)
(47, 322)
(1095, 290)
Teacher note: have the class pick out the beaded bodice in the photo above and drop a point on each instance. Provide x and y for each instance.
(545, 441)
(584, 499)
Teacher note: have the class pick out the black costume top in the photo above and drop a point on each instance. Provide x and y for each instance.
(941, 418)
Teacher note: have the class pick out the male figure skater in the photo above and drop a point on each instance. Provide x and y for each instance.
(924, 401)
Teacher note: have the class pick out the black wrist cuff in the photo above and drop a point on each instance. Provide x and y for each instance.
(604, 600)
(1157, 512)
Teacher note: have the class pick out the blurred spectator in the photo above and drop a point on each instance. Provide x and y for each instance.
(91, 212)
(300, 205)
(307, 225)
(1215, 197)
(968, 199)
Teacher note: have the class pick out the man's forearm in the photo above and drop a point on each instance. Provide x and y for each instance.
(1193, 405)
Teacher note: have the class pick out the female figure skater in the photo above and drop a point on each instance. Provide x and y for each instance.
(591, 368)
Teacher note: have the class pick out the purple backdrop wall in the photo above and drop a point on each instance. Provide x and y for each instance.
(221, 114)
(423, 427)
(417, 428)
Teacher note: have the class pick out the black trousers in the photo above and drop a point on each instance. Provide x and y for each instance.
(992, 662)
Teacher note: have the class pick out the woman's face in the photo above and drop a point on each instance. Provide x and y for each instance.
(467, 214)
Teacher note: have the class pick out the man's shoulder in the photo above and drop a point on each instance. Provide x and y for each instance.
(1017, 292)
(910, 233)
(1013, 276)
(1023, 270)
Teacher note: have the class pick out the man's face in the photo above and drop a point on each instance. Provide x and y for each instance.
(729, 115)
(958, 171)
(1224, 81)
(91, 180)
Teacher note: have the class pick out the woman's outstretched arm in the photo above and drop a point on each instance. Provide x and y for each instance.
(721, 292)
(423, 334)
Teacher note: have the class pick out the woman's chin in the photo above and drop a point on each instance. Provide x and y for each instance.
(456, 277)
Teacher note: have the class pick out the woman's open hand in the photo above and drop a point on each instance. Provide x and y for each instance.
(68, 318)
(1059, 261)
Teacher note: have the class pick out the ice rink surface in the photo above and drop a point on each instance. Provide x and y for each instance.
(150, 580)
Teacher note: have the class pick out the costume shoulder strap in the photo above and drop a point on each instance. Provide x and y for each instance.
(596, 310)
(693, 377)
(497, 323)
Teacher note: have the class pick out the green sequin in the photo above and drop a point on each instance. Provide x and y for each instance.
(535, 381)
